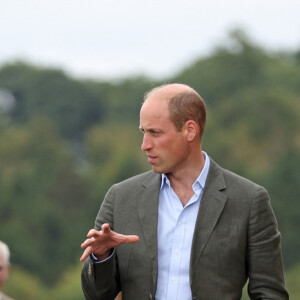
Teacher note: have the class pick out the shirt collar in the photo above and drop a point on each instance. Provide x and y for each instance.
(199, 181)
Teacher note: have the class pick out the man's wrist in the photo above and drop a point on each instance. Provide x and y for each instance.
(103, 257)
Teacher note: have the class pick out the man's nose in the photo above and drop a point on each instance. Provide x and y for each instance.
(146, 144)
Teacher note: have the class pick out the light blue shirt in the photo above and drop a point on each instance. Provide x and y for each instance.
(175, 232)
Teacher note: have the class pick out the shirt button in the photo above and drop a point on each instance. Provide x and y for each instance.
(180, 223)
(176, 251)
(173, 278)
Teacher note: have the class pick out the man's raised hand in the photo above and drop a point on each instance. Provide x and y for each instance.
(101, 242)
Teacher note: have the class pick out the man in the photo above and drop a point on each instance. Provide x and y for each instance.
(4, 268)
(188, 229)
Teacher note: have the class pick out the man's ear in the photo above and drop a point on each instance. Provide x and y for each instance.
(191, 130)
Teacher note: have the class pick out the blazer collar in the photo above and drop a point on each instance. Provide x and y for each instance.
(148, 214)
(212, 204)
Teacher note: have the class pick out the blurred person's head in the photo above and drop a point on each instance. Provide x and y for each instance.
(4, 263)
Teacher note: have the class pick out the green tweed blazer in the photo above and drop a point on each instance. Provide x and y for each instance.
(235, 239)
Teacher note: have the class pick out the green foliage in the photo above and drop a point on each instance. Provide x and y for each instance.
(23, 285)
(42, 199)
(251, 126)
(52, 94)
(283, 182)
(68, 287)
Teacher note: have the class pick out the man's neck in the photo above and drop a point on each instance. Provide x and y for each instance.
(186, 176)
(183, 180)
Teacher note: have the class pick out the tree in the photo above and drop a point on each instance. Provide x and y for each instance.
(43, 199)
(51, 93)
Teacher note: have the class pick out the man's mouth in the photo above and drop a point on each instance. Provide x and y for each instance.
(151, 159)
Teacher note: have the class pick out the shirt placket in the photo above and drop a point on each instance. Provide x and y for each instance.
(176, 254)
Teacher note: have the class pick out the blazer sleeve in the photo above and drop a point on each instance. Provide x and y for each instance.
(264, 258)
(100, 281)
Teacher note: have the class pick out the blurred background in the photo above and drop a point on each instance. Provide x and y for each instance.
(72, 79)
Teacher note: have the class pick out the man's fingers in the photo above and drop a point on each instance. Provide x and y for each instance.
(87, 243)
(92, 233)
(105, 228)
(84, 244)
(132, 239)
(85, 254)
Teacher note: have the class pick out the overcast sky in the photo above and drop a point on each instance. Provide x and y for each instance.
(111, 39)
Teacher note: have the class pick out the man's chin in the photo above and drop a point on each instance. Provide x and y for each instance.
(157, 169)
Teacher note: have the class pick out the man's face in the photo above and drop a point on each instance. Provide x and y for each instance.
(3, 271)
(165, 147)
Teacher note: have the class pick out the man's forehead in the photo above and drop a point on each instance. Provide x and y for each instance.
(157, 102)
(159, 96)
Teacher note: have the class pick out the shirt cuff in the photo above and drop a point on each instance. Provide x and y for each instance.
(97, 261)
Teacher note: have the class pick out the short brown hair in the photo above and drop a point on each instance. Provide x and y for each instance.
(184, 105)
(187, 106)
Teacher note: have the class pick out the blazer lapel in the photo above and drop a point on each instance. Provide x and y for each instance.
(148, 214)
(211, 207)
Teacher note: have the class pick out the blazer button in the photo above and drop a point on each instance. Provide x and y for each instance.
(150, 296)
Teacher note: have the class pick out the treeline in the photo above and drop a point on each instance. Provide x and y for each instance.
(64, 141)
